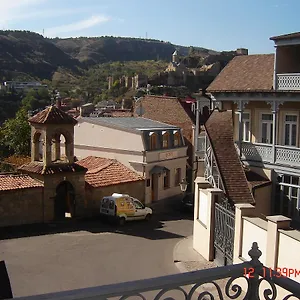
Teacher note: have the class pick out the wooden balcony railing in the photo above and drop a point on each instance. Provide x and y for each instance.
(288, 82)
(284, 155)
(243, 281)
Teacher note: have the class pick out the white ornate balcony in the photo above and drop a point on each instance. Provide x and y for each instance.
(288, 82)
(265, 153)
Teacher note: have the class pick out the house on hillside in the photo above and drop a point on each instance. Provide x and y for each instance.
(250, 183)
(154, 150)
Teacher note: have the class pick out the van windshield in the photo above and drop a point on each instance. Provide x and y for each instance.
(105, 203)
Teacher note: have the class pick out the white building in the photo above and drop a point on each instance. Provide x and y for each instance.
(153, 149)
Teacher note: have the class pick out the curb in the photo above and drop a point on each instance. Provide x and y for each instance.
(179, 264)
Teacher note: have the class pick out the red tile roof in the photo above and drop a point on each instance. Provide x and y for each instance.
(10, 182)
(38, 168)
(286, 36)
(248, 73)
(219, 129)
(105, 172)
(52, 115)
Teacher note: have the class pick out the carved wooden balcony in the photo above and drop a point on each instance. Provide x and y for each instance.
(288, 82)
(283, 155)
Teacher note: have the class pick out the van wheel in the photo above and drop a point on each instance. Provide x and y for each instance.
(148, 217)
(122, 221)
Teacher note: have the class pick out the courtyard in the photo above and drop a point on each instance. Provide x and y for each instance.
(57, 257)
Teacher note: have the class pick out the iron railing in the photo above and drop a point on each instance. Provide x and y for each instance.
(193, 285)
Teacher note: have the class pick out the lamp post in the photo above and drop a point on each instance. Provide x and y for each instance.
(183, 185)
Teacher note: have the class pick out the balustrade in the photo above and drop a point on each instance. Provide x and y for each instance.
(264, 153)
(288, 82)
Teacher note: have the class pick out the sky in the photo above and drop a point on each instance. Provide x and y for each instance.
(220, 25)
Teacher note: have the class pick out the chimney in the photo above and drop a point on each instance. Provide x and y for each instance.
(241, 51)
(58, 103)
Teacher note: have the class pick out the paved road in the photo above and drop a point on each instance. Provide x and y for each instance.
(93, 253)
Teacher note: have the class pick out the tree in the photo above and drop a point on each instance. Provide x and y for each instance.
(36, 99)
(16, 133)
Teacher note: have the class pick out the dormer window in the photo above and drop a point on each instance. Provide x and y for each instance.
(166, 139)
(177, 138)
(153, 141)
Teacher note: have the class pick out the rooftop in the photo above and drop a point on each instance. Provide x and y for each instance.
(52, 115)
(246, 73)
(288, 36)
(219, 128)
(105, 172)
(135, 123)
(15, 182)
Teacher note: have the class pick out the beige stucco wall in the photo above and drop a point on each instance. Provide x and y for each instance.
(263, 199)
(288, 252)
(256, 108)
(23, 206)
(173, 190)
(94, 195)
(102, 136)
(254, 230)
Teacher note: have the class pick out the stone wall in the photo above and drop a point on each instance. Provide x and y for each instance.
(23, 206)
(94, 195)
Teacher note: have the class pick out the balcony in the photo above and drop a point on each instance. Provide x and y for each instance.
(283, 155)
(288, 82)
(247, 280)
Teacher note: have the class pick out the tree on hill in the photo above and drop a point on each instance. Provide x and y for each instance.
(36, 99)
(15, 134)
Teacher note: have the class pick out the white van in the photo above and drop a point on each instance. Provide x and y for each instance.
(124, 208)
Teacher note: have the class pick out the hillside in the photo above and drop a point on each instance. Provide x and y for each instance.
(24, 53)
(95, 50)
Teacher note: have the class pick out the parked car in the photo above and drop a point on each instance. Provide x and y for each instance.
(122, 208)
(187, 202)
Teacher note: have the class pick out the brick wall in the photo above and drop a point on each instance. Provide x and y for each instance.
(24, 206)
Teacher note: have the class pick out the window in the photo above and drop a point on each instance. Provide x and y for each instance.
(246, 127)
(148, 182)
(153, 141)
(167, 179)
(165, 136)
(177, 176)
(288, 197)
(138, 204)
(177, 139)
(290, 130)
(267, 128)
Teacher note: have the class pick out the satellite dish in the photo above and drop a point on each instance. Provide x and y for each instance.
(140, 111)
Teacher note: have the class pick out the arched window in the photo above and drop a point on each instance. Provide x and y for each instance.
(153, 141)
(177, 139)
(166, 139)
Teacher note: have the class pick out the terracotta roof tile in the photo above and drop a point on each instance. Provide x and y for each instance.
(104, 172)
(38, 168)
(245, 73)
(52, 115)
(286, 36)
(15, 182)
(219, 129)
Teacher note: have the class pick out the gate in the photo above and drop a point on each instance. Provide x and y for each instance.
(224, 233)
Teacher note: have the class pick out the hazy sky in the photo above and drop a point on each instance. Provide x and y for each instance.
(214, 24)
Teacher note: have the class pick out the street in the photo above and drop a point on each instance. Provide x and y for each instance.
(91, 253)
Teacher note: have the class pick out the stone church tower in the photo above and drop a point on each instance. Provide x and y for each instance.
(53, 163)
